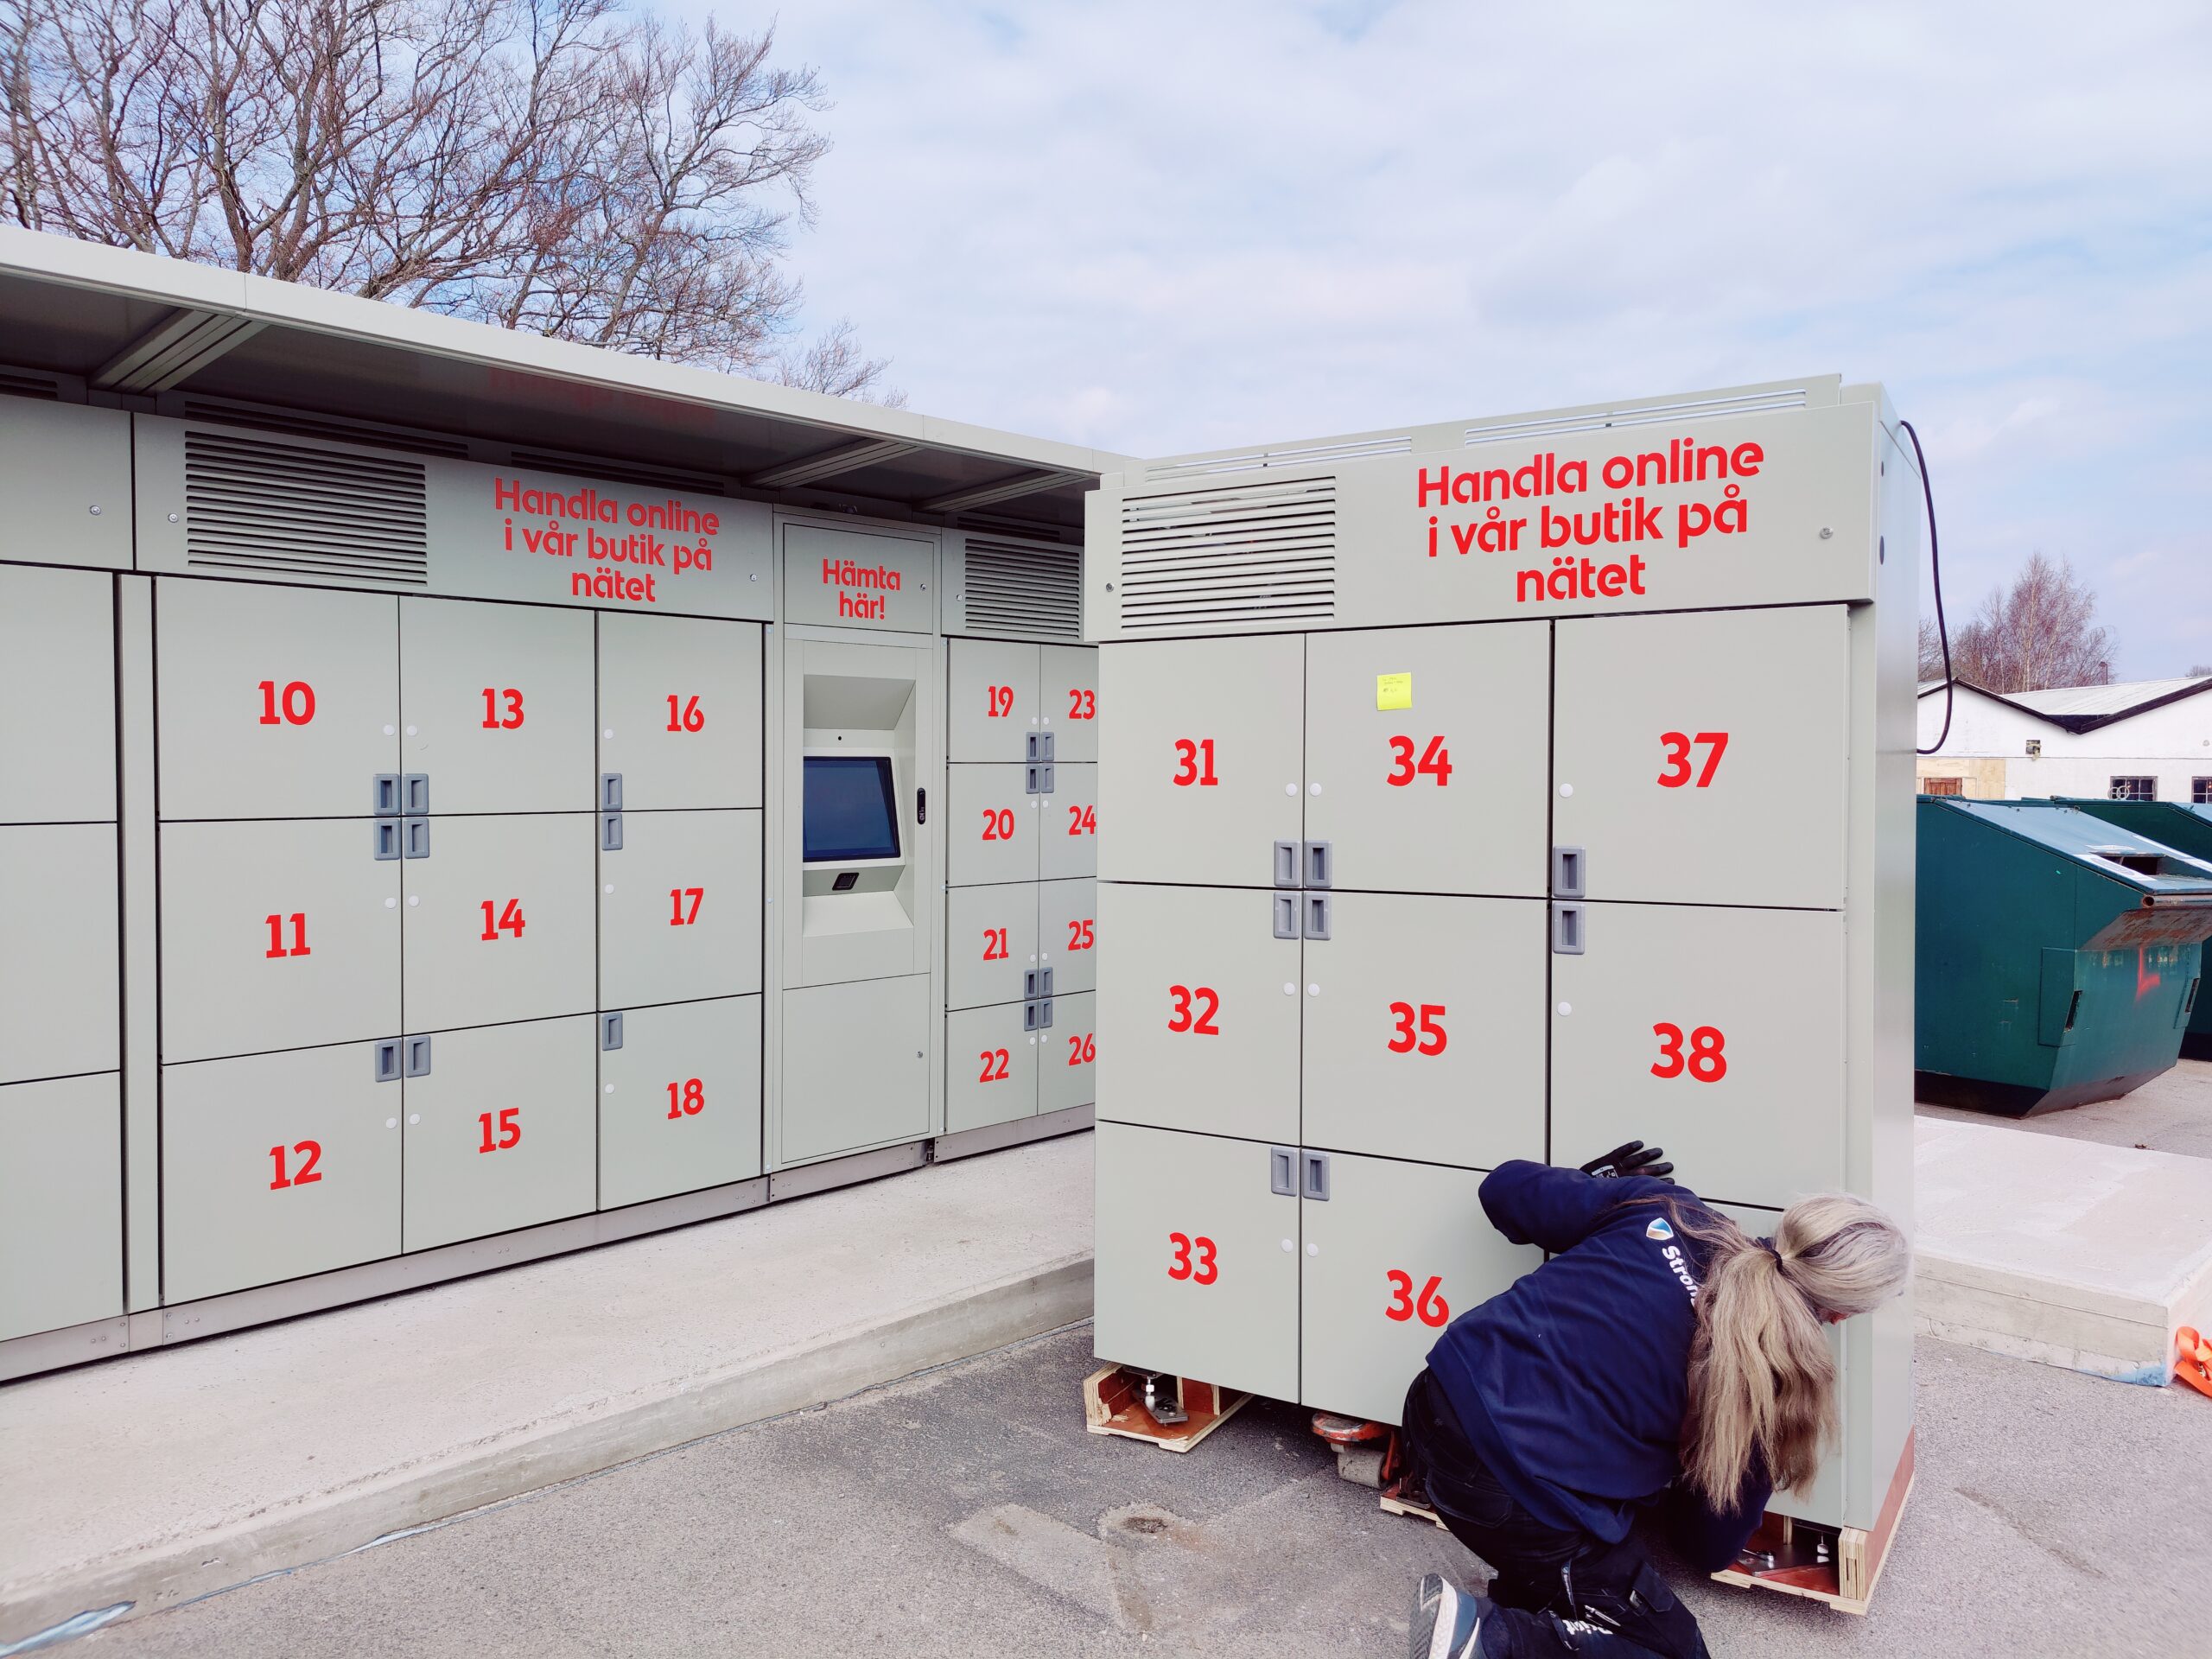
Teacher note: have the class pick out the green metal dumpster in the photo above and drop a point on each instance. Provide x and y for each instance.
(2186, 828)
(2057, 957)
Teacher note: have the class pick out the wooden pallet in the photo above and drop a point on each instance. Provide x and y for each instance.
(1845, 1578)
(1113, 1403)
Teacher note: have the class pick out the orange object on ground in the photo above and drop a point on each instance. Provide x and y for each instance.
(2193, 1362)
(1347, 1431)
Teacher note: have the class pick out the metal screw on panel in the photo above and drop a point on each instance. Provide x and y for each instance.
(172, 518)
(95, 509)
(918, 1053)
(1825, 532)
(1109, 587)
(925, 587)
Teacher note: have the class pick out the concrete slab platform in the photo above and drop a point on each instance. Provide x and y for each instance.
(2073, 1253)
(161, 1477)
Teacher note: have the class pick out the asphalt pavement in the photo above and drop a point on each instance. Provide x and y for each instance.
(966, 1512)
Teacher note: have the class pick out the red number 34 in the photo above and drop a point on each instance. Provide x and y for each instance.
(1204, 1273)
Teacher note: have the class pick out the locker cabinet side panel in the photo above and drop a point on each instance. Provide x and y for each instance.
(1700, 758)
(274, 1166)
(57, 686)
(1202, 759)
(497, 705)
(1443, 790)
(1198, 1259)
(1714, 1032)
(658, 1134)
(1394, 1253)
(1426, 1040)
(274, 702)
(325, 970)
(990, 1067)
(61, 971)
(1198, 1011)
(60, 1203)
(501, 1132)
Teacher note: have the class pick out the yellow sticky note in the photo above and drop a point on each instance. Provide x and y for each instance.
(1394, 691)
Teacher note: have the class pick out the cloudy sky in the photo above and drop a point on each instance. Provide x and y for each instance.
(1159, 227)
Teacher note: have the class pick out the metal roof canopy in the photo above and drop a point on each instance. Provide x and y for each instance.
(131, 325)
(2073, 834)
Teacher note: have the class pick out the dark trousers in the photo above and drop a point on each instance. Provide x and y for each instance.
(1556, 1592)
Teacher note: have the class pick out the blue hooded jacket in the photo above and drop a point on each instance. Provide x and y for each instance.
(1571, 1385)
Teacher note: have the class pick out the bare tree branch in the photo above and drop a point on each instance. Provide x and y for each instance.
(2040, 632)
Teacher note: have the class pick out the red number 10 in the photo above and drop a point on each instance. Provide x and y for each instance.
(294, 707)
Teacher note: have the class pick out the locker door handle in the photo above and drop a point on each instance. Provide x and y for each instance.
(1570, 872)
(1033, 779)
(1285, 864)
(1039, 747)
(387, 832)
(418, 838)
(1321, 863)
(1282, 1172)
(415, 791)
(1317, 1177)
(1568, 932)
(418, 1057)
(387, 1060)
(1037, 982)
(385, 793)
(1037, 1015)
(1317, 915)
(610, 832)
(1285, 908)
(610, 791)
(610, 1031)
(921, 806)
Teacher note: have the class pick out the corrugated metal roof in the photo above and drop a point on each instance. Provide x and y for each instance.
(2074, 834)
(2119, 699)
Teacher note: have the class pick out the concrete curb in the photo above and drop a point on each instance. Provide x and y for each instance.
(177, 1569)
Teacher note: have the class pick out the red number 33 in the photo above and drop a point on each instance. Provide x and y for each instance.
(1205, 1272)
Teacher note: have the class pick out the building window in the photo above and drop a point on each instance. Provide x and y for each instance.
(2134, 789)
(2199, 790)
(1946, 786)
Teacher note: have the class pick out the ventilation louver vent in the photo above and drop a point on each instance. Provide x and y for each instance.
(265, 418)
(1027, 588)
(1251, 553)
(29, 383)
(252, 503)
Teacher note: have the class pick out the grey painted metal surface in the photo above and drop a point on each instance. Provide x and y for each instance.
(66, 470)
(991, 700)
(1067, 1055)
(660, 1134)
(500, 1132)
(841, 1094)
(59, 970)
(679, 908)
(1067, 932)
(703, 748)
(496, 702)
(1067, 828)
(1067, 686)
(993, 825)
(499, 920)
(991, 942)
(57, 656)
(60, 1206)
(277, 1166)
(991, 1066)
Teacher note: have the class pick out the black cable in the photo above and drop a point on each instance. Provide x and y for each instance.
(1936, 570)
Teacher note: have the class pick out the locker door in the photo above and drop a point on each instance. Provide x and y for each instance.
(57, 688)
(61, 1203)
(274, 1166)
(990, 943)
(1716, 1033)
(1200, 1015)
(500, 921)
(275, 702)
(1698, 758)
(60, 975)
(1426, 1039)
(495, 702)
(679, 908)
(1068, 687)
(990, 1066)
(1391, 1255)
(855, 1065)
(702, 749)
(1068, 834)
(991, 829)
(658, 1134)
(1196, 1262)
(276, 934)
(500, 1131)
(1067, 927)
(1442, 791)
(991, 687)
(1067, 1055)
(1204, 758)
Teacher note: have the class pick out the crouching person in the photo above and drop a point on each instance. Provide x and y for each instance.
(1661, 1359)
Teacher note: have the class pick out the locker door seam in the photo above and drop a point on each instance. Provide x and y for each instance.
(122, 936)
(1551, 839)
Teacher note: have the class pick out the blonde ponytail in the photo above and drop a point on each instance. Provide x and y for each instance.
(1761, 1380)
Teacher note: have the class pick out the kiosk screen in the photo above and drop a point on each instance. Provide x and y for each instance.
(850, 813)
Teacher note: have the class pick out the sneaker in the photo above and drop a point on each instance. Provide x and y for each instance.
(1446, 1620)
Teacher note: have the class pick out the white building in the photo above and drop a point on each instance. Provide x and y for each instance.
(2147, 739)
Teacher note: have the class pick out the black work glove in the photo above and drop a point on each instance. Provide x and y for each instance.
(1632, 1158)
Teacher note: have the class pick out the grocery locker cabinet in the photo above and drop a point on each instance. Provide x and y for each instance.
(998, 939)
(1018, 1059)
(1008, 701)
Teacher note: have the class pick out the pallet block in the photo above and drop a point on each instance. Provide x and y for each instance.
(1113, 1403)
(1846, 1580)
